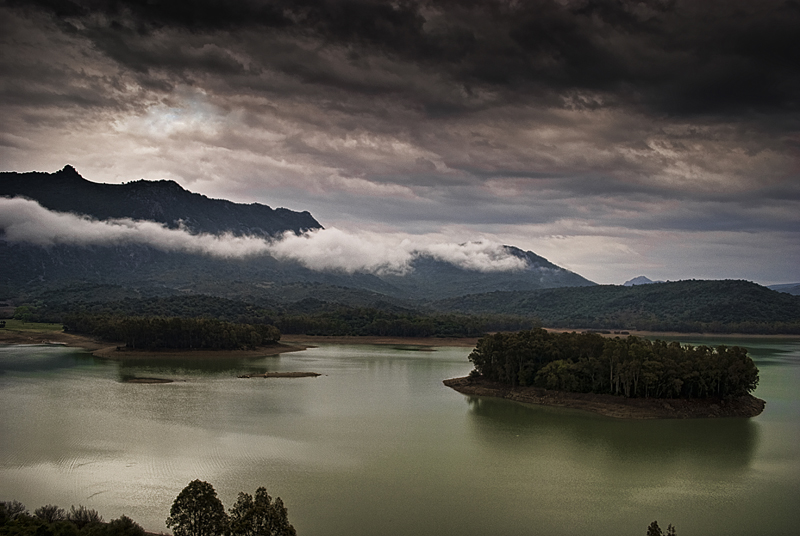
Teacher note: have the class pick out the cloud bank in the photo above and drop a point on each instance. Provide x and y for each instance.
(26, 221)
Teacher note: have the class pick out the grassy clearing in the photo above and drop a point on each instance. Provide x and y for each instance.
(19, 325)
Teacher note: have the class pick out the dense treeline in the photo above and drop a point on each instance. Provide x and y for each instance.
(309, 316)
(362, 321)
(54, 307)
(50, 520)
(175, 332)
(631, 367)
(684, 306)
(196, 511)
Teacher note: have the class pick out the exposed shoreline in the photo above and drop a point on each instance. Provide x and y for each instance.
(430, 342)
(283, 375)
(118, 353)
(105, 350)
(614, 406)
(294, 343)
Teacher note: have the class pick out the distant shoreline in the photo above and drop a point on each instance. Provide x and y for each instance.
(105, 350)
(295, 343)
(617, 407)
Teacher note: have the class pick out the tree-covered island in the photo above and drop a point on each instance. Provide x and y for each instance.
(623, 377)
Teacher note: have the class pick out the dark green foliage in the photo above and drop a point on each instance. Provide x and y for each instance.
(124, 526)
(14, 509)
(309, 316)
(50, 513)
(330, 319)
(24, 313)
(259, 517)
(83, 516)
(654, 530)
(50, 520)
(175, 332)
(685, 306)
(56, 305)
(632, 367)
(197, 511)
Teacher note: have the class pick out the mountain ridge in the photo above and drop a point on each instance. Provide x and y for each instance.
(162, 201)
(31, 268)
(686, 306)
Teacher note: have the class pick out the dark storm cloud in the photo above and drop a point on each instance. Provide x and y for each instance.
(600, 118)
(667, 56)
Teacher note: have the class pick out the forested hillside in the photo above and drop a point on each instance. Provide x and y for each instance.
(688, 306)
(309, 316)
(30, 268)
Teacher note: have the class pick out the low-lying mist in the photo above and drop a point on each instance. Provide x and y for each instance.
(26, 221)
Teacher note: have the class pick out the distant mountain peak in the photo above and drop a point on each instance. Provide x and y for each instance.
(789, 288)
(640, 280)
(162, 201)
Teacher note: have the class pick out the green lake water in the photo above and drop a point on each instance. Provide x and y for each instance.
(377, 446)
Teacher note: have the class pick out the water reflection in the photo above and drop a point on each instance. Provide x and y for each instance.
(193, 366)
(725, 443)
(41, 358)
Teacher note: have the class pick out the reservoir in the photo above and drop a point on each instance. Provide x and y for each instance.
(377, 446)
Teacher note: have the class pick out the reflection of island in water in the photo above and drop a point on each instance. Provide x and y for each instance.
(170, 368)
(714, 442)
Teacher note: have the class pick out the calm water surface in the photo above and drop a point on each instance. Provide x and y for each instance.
(377, 446)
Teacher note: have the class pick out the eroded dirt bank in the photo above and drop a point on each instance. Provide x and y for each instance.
(614, 406)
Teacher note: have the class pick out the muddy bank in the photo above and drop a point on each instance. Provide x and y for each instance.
(107, 351)
(429, 342)
(614, 406)
(148, 380)
(121, 352)
(282, 375)
(8, 336)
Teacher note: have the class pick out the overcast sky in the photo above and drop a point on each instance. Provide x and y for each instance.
(616, 138)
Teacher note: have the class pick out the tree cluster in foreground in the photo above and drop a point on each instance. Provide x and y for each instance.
(175, 332)
(631, 367)
(50, 520)
(197, 511)
(654, 530)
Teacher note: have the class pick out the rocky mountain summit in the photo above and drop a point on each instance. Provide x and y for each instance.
(161, 201)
